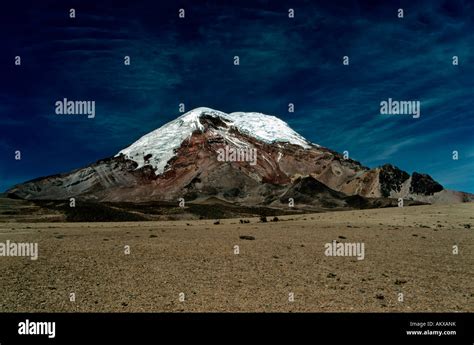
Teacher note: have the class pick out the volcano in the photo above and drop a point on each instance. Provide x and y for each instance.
(183, 159)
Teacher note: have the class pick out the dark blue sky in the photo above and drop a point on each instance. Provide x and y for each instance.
(282, 60)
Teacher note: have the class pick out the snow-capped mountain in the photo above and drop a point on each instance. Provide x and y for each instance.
(159, 146)
(185, 159)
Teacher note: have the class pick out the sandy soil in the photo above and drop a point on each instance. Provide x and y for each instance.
(407, 250)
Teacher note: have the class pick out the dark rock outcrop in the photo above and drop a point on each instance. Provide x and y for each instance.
(391, 179)
(424, 184)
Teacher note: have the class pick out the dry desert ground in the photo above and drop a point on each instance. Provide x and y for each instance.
(407, 250)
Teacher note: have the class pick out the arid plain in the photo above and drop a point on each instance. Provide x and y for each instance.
(408, 250)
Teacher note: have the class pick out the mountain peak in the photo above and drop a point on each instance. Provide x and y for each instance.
(158, 147)
(194, 116)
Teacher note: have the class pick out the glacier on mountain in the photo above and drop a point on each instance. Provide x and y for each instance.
(159, 145)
